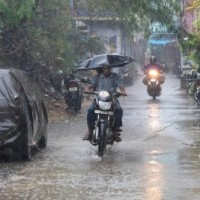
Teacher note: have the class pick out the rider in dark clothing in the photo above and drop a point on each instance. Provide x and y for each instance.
(153, 65)
(106, 80)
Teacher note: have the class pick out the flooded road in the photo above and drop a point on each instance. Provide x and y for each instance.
(158, 158)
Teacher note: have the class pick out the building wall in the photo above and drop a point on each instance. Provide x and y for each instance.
(189, 16)
(112, 35)
(109, 35)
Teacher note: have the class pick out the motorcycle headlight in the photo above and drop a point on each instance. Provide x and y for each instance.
(153, 72)
(105, 105)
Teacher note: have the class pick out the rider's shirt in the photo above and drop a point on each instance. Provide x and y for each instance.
(110, 83)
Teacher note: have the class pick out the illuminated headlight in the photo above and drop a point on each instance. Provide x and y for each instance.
(153, 72)
(105, 105)
(103, 94)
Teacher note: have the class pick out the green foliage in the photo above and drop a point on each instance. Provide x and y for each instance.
(50, 28)
(192, 44)
(192, 47)
(51, 37)
(14, 12)
(56, 38)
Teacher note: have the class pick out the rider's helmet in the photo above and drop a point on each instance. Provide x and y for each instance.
(153, 60)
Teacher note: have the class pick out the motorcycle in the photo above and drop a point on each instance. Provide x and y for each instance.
(197, 92)
(153, 80)
(177, 70)
(72, 93)
(103, 133)
(189, 83)
(126, 76)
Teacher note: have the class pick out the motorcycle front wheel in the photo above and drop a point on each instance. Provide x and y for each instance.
(102, 140)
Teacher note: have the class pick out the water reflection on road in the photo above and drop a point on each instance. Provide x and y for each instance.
(154, 180)
(158, 158)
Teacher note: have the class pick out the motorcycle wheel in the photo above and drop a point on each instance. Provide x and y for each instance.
(151, 93)
(197, 98)
(102, 140)
(78, 104)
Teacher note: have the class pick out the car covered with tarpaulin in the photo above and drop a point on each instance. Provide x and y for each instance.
(23, 115)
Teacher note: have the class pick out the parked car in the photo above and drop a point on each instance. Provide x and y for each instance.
(23, 115)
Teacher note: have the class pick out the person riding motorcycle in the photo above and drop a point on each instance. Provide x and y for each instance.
(106, 80)
(153, 65)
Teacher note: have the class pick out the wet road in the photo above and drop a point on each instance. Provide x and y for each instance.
(158, 158)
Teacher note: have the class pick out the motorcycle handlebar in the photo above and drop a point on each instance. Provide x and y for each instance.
(91, 92)
(118, 94)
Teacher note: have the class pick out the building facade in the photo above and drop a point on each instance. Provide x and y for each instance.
(189, 16)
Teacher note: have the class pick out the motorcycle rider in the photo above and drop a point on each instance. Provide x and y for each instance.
(153, 65)
(106, 80)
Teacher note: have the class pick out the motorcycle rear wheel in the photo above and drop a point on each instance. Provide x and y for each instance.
(197, 98)
(102, 140)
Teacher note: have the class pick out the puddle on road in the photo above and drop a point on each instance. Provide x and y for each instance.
(190, 129)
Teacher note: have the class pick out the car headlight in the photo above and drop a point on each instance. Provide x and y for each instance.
(105, 105)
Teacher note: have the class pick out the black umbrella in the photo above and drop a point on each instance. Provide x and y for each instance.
(113, 60)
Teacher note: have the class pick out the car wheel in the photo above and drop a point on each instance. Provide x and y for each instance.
(43, 141)
(26, 146)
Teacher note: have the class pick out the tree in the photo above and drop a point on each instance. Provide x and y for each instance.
(137, 15)
(13, 15)
(43, 33)
(14, 12)
(192, 44)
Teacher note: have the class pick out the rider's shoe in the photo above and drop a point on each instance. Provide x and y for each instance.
(88, 135)
(117, 138)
